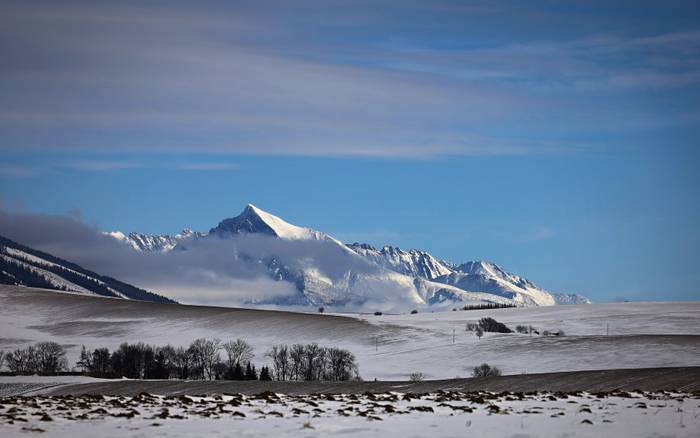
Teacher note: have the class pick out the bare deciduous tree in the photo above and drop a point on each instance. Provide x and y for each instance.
(311, 359)
(296, 360)
(279, 355)
(50, 357)
(416, 377)
(21, 361)
(238, 352)
(341, 364)
(312, 362)
(182, 359)
(205, 355)
(485, 370)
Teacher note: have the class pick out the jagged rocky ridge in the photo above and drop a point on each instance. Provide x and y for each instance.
(23, 266)
(388, 275)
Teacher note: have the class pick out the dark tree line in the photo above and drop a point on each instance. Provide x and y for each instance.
(491, 325)
(486, 306)
(488, 325)
(312, 362)
(41, 358)
(200, 361)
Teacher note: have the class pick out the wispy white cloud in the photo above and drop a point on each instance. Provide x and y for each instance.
(99, 165)
(18, 171)
(155, 79)
(108, 165)
(536, 234)
(208, 166)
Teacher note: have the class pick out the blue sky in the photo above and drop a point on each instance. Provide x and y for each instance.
(559, 139)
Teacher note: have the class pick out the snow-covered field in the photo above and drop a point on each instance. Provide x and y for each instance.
(598, 336)
(392, 414)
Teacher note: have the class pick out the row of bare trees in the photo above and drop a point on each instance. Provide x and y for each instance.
(40, 358)
(202, 360)
(312, 362)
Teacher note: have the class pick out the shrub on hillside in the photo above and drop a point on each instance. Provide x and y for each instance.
(485, 370)
(491, 325)
(416, 377)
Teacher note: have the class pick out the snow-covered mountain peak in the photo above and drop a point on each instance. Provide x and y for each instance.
(185, 233)
(363, 272)
(256, 220)
(412, 262)
(481, 267)
(489, 269)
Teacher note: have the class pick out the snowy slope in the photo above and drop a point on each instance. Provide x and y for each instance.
(571, 299)
(388, 347)
(475, 276)
(24, 266)
(489, 278)
(388, 277)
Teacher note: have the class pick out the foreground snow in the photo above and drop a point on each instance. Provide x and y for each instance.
(393, 414)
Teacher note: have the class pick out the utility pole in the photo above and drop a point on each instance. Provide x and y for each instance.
(607, 329)
(376, 343)
(453, 336)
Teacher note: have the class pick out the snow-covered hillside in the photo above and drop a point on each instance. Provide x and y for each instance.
(325, 271)
(387, 347)
(24, 266)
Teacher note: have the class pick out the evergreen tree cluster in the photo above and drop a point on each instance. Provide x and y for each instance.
(487, 306)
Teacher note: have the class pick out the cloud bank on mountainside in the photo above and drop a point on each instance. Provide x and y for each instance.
(257, 258)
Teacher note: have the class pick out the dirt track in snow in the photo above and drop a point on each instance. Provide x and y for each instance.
(686, 379)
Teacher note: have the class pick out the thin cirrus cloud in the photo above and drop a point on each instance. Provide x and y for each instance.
(208, 166)
(17, 171)
(103, 77)
(101, 166)
(536, 234)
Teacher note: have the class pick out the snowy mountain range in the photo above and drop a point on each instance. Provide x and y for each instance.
(20, 265)
(325, 271)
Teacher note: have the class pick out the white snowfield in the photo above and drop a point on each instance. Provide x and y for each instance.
(387, 347)
(382, 415)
